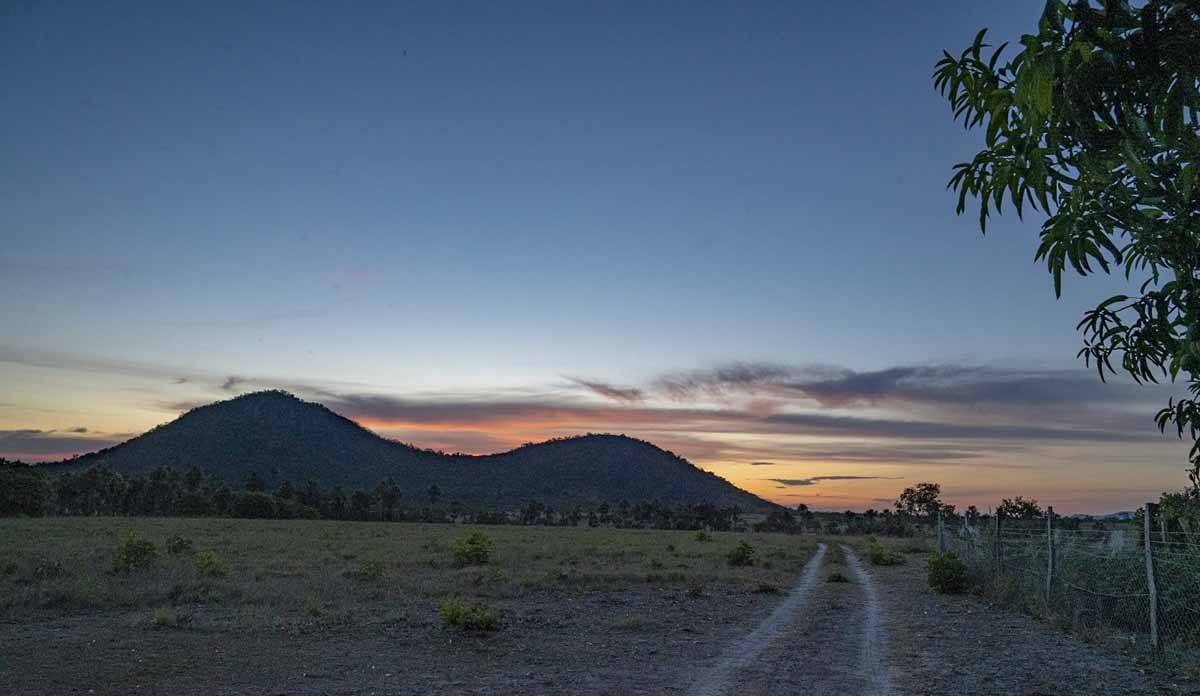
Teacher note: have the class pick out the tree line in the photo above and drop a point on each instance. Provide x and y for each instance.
(168, 492)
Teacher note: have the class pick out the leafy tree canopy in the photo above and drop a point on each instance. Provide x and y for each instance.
(1094, 122)
(923, 499)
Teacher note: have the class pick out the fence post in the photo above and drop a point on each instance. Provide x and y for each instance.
(1049, 551)
(941, 529)
(1149, 544)
(999, 560)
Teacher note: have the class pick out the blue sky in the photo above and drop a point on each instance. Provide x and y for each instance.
(449, 202)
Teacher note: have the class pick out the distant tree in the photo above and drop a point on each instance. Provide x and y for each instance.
(1095, 123)
(1019, 508)
(23, 491)
(972, 514)
(388, 494)
(921, 500)
(433, 493)
(254, 484)
(286, 491)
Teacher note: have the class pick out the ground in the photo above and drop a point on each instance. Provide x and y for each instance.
(352, 608)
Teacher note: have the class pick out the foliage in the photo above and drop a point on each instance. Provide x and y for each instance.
(1019, 508)
(703, 536)
(741, 555)
(23, 490)
(177, 543)
(921, 500)
(468, 616)
(210, 564)
(881, 555)
(366, 571)
(473, 548)
(947, 574)
(164, 618)
(1095, 124)
(837, 576)
(695, 587)
(134, 552)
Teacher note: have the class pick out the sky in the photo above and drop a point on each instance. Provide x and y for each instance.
(721, 227)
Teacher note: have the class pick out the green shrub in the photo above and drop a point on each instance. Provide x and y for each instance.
(695, 587)
(133, 553)
(741, 555)
(881, 555)
(49, 570)
(178, 544)
(468, 616)
(164, 618)
(472, 548)
(766, 588)
(366, 571)
(9, 568)
(312, 605)
(210, 565)
(837, 576)
(947, 574)
(703, 536)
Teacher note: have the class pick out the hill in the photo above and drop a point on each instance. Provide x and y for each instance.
(282, 438)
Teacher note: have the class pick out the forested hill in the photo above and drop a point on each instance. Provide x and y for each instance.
(278, 437)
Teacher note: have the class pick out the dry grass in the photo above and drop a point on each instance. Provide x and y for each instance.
(306, 571)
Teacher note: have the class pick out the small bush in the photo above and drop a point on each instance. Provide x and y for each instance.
(9, 568)
(210, 565)
(133, 553)
(766, 588)
(49, 571)
(881, 555)
(178, 544)
(695, 587)
(741, 555)
(703, 536)
(366, 571)
(164, 618)
(473, 548)
(468, 616)
(312, 605)
(837, 576)
(947, 574)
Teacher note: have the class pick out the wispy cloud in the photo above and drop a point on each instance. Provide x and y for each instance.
(37, 445)
(609, 391)
(814, 480)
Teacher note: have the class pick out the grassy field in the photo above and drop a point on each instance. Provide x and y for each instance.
(301, 570)
(309, 606)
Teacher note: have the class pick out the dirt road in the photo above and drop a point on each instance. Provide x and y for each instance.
(877, 631)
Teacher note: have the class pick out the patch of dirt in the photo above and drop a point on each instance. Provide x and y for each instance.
(649, 640)
(960, 644)
(742, 652)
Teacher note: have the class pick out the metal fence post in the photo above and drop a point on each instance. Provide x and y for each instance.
(1049, 551)
(999, 560)
(1153, 590)
(941, 531)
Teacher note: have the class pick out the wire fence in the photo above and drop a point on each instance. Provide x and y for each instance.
(1101, 576)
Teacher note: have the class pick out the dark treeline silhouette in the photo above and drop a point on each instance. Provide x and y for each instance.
(167, 492)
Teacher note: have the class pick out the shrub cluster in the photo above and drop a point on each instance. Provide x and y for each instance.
(881, 555)
(468, 616)
(366, 571)
(178, 544)
(472, 548)
(211, 565)
(741, 555)
(947, 574)
(133, 553)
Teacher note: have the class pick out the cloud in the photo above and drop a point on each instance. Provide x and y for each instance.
(762, 463)
(813, 480)
(44, 445)
(745, 377)
(609, 391)
(232, 382)
(80, 429)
